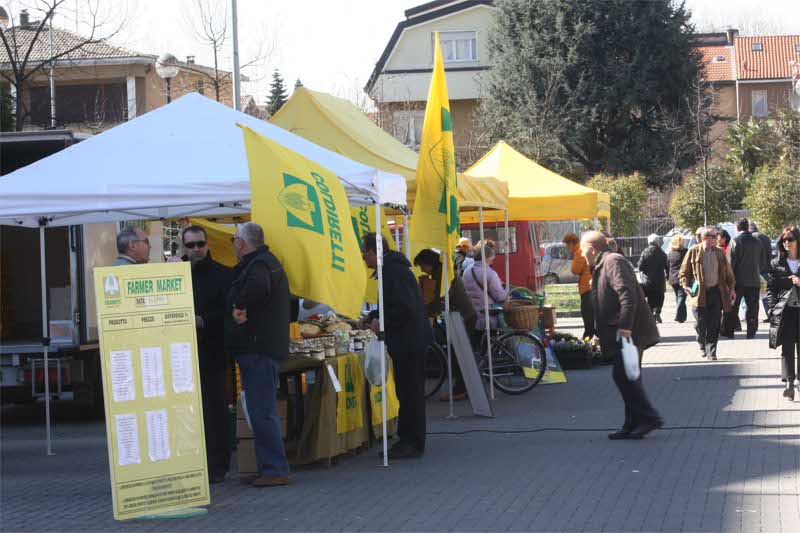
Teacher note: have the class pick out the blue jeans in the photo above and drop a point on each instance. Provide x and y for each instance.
(260, 380)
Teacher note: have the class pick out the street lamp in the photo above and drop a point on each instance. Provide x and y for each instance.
(167, 67)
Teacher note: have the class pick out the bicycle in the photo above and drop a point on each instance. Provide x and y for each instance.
(519, 360)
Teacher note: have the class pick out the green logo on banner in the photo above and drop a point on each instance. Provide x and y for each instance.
(302, 204)
(446, 169)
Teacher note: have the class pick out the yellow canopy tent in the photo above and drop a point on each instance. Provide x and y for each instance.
(535, 192)
(340, 126)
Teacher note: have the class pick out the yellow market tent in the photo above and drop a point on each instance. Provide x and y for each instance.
(535, 192)
(340, 126)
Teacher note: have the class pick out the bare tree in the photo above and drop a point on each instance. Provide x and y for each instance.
(24, 50)
(749, 22)
(207, 22)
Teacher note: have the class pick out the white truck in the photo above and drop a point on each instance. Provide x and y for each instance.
(71, 254)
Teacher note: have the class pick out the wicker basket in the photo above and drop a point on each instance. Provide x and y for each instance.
(521, 315)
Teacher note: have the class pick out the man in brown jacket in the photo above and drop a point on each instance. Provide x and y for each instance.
(708, 280)
(622, 311)
(580, 268)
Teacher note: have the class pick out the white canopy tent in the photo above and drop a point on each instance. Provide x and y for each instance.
(184, 159)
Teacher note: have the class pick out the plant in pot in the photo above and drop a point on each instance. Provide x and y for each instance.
(571, 351)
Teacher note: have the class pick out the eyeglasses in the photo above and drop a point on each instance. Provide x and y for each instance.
(233, 239)
(146, 241)
(196, 244)
(710, 237)
(789, 239)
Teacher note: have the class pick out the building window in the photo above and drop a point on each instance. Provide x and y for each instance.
(797, 48)
(407, 126)
(459, 46)
(758, 47)
(758, 100)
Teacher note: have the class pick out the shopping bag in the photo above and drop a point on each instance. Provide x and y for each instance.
(630, 358)
(372, 362)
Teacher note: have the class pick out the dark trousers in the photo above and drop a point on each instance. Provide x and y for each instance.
(790, 343)
(750, 295)
(260, 379)
(216, 420)
(587, 313)
(708, 321)
(655, 298)
(680, 302)
(409, 374)
(638, 409)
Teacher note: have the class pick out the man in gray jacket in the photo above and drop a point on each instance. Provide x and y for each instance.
(133, 247)
(748, 260)
(621, 310)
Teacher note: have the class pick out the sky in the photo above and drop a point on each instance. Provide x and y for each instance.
(333, 45)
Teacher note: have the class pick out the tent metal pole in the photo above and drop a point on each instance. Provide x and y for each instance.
(396, 234)
(486, 304)
(446, 280)
(508, 246)
(45, 340)
(406, 240)
(379, 253)
(596, 226)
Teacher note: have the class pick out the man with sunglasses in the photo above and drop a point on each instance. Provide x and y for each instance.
(133, 247)
(708, 280)
(210, 283)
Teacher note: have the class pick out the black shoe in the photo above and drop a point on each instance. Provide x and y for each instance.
(766, 320)
(788, 392)
(712, 357)
(217, 478)
(643, 429)
(402, 450)
(753, 336)
(658, 318)
(622, 434)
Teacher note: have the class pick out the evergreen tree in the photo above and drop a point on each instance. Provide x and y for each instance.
(277, 94)
(599, 82)
(298, 84)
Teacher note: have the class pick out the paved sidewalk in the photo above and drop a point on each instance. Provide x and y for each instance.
(714, 468)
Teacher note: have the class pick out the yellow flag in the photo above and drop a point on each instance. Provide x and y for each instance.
(436, 222)
(305, 214)
(364, 222)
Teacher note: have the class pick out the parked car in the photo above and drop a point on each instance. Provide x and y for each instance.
(556, 263)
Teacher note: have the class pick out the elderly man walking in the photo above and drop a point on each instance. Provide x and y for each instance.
(622, 311)
(257, 334)
(708, 280)
(133, 247)
(654, 267)
(748, 261)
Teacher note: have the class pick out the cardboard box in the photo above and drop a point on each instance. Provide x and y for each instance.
(548, 316)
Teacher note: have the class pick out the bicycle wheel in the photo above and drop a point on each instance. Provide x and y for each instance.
(435, 369)
(519, 362)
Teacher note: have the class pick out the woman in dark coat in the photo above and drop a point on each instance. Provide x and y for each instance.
(675, 259)
(783, 291)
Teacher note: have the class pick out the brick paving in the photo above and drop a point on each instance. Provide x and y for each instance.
(713, 469)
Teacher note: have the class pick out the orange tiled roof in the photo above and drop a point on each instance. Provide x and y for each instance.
(716, 63)
(772, 62)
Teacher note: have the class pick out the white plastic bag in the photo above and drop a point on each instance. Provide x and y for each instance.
(630, 358)
(372, 362)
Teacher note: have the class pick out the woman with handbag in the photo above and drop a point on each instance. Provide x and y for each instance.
(473, 282)
(783, 291)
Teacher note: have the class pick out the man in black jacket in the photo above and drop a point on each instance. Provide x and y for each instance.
(257, 334)
(654, 267)
(408, 334)
(748, 261)
(210, 283)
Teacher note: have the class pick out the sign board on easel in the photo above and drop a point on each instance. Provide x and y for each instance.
(151, 388)
(466, 362)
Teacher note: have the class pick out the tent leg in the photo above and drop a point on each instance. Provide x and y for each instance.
(379, 251)
(446, 279)
(45, 340)
(508, 246)
(486, 306)
(396, 234)
(596, 226)
(405, 235)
